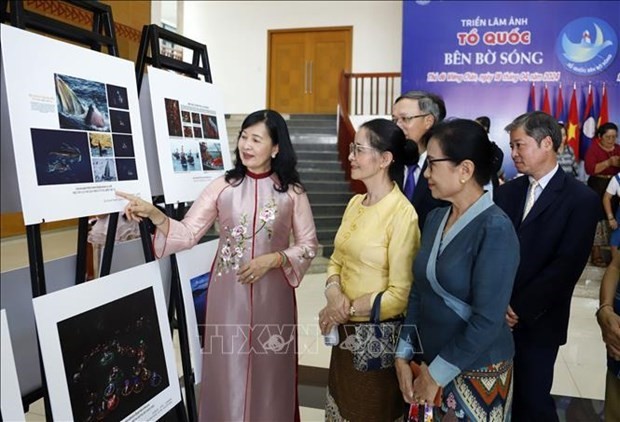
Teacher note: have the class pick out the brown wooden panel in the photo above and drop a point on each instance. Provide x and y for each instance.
(12, 224)
(287, 78)
(304, 68)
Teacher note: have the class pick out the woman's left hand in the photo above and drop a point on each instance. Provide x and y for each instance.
(424, 386)
(255, 269)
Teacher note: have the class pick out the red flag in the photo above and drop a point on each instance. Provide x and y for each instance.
(546, 106)
(604, 115)
(559, 106)
(588, 128)
(531, 104)
(572, 129)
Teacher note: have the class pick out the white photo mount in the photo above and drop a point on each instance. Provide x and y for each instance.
(107, 349)
(185, 118)
(195, 267)
(75, 127)
(10, 398)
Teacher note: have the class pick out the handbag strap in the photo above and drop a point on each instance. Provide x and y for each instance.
(375, 312)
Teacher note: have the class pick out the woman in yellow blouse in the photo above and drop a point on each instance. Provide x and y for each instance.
(374, 250)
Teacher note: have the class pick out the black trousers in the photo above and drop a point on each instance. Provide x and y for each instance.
(533, 378)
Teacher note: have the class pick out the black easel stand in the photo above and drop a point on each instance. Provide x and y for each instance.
(102, 34)
(199, 67)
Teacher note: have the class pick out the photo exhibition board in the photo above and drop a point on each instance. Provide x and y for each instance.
(10, 398)
(107, 349)
(75, 127)
(195, 267)
(185, 118)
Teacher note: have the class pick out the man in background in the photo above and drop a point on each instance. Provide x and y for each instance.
(555, 217)
(416, 112)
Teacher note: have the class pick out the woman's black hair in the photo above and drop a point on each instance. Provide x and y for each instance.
(385, 135)
(285, 162)
(461, 139)
(605, 127)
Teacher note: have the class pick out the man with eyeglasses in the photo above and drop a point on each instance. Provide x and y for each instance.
(416, 112)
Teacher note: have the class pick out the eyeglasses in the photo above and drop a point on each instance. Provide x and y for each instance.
(431, 161)
(407, 119)
(358, 149)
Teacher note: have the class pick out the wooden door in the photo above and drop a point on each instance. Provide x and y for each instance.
(304, 69)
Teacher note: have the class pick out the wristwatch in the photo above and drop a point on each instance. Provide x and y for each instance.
(352, 311)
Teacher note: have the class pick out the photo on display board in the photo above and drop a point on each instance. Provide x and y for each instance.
(211, 156)
(117, 97)
(61, 156)
(185, 156)
(188, 131)
(113, 357)
(197, 132)
(10, 400)
(120, 121)
(196, 118)
(107, 350)
(126, 169)
(100, 144)
(200, 284)
(195, 267)
(123, 145)
(173, 117)
(104, 170)
(81, 104)
(209, 127)
(186, 116)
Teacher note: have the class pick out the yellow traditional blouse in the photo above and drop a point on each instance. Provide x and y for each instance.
(374, 251)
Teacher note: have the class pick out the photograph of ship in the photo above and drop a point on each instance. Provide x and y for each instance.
(117, 97)
(120, 121)
(113, 357)
(185, 156)
(188, 131)
(61, 157)
(81, 104)
(209, 127)
(126, 169)
(104, 170)
(123, 145)
(100, 144)
(211, 156)
(173, 117)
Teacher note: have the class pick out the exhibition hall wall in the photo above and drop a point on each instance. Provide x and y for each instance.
(236, 37)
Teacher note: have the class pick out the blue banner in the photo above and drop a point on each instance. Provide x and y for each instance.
(482, 57)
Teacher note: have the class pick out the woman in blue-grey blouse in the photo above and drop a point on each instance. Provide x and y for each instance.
(463, 275)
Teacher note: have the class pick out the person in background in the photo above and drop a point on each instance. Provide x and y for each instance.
(497, 177)
(566, 155)
(416, 112)
(608, 318)
(374, 249)
(463, 280)
(602, 162)
(259, 203)
(613, 193)
(555, 216)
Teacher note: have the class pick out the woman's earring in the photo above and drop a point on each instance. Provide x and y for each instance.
(462, 181)
(273, 155)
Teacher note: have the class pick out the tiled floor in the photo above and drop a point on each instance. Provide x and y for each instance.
(579, 371)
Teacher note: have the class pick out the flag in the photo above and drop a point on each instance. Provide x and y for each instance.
(572, 129)
(546, 105)
(603, 117)
(588, 128)
(560, 115)
(531, 103)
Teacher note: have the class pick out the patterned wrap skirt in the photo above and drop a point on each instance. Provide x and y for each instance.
(483, 394)
(352, 395)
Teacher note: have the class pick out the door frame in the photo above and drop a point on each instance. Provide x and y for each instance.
(271, 32)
